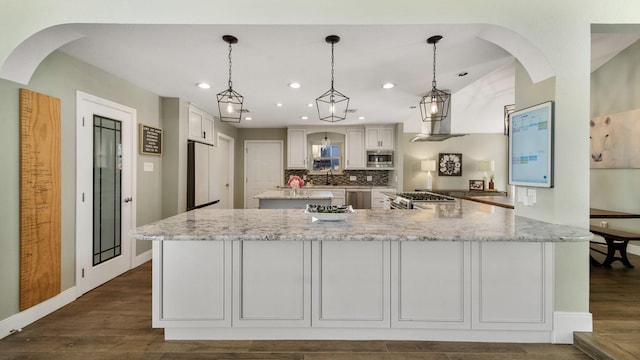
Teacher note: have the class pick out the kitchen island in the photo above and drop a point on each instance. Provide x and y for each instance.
(475, 274)
(292, 199)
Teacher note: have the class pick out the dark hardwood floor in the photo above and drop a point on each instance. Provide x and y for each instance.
(114, 322)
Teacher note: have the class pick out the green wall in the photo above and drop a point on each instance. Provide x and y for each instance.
(60, 76)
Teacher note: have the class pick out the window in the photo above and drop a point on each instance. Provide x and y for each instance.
(326, 158)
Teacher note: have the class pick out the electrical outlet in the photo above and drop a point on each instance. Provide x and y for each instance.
(304, 177)
(353, 178)
(369, 178)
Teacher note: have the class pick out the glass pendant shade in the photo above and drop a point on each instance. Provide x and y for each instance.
(435, 105)
(230, 102)
(326, 142)
(332, 105)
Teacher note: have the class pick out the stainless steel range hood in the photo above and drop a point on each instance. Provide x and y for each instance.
(436, 131)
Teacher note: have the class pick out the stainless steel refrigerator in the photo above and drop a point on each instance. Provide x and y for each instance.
(199, 176)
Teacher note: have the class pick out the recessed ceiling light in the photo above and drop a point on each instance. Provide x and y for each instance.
(248, 118)
(203, 85)
(463, 73)
(310, 105)
(304, 117)
(279, 104)
(294, 85)
(388, 85)
(361, 117)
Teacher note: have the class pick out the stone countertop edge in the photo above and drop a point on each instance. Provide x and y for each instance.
(282, 194)
(460, 221)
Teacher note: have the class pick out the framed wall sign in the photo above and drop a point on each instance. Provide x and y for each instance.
(150, 140)
(450, 164)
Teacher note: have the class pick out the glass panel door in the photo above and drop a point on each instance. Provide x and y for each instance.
(107, 189)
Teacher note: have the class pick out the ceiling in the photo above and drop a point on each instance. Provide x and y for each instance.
(169, 60)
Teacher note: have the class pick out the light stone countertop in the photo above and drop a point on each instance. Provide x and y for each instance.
(460, 221)
(287, 194)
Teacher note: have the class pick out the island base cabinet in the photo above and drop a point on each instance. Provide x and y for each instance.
(272, 284)
(512, 286)
(351, 284)
(431, 285)
(194, 289)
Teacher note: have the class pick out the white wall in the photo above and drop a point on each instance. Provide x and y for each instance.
(473, 147)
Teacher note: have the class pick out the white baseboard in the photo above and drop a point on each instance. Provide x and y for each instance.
(142, 258)
(36, 312)
(633, 249)
(566, 323)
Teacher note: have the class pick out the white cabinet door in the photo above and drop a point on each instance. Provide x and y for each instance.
(351, 284)
(338, 197)
(386, 138)
(433, 285)
(296, 149)
(379, 138)
(380, 201)
(195, 285)
(272, 284)
(200, 125)
(512, 285)
(354, 153)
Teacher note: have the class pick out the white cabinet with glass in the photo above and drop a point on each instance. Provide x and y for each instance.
(200, 125)
(355, 154)
(378, 138)
(296, 149)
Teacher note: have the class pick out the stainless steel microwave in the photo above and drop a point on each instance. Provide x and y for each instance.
(380, 158)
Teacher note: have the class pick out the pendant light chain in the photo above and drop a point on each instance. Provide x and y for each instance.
(332, 59)
(230, 83)
(433, 82)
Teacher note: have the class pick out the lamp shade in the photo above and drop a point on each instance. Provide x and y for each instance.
(428, 165)
(485, 165)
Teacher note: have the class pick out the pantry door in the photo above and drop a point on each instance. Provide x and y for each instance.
(105, 198)
(263, 169)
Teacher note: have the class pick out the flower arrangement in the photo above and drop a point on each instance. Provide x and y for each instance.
(295, 182)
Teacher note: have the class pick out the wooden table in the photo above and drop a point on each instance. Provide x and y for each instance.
(617, 240)
(608, 214)
(502, 201)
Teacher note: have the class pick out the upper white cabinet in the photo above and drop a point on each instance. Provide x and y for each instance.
(200, 125)
(354, 155)
(379, 138)
(296, 149)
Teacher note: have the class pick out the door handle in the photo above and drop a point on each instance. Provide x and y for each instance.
(128, 199)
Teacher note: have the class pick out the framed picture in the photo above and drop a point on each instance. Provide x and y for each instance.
(449, 164)
(476, 185)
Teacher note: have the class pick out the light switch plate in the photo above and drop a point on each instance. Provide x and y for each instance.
(353, 178)
(148, 166)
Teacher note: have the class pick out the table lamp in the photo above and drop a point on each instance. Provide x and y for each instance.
(428, 166)
(484, 166)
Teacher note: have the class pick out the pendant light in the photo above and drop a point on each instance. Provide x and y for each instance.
(332, 105)
(230, 101)
(326, 142)
(435, 105)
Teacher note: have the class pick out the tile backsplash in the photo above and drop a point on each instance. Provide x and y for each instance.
(378, 177)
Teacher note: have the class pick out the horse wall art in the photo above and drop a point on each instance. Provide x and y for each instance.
(615, 140)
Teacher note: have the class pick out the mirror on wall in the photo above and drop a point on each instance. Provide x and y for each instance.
(327, 152)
